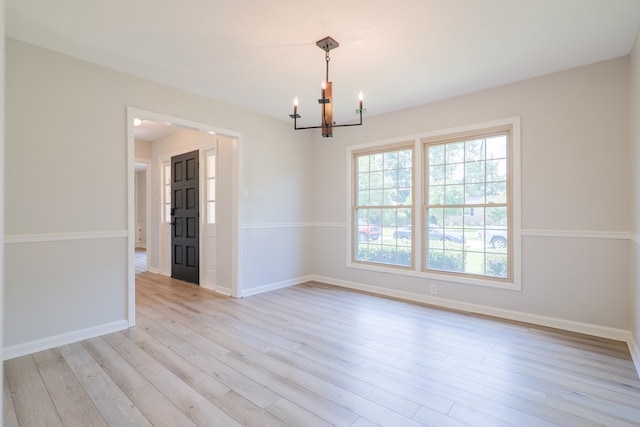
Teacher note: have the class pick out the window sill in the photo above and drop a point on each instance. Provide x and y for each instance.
(409, 272)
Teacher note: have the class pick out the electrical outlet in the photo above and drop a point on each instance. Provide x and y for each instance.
(434, 289)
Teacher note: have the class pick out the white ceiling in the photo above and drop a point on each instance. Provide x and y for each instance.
(259, 54)
(151, 131)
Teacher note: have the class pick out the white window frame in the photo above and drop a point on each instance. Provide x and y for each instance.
(419, 194)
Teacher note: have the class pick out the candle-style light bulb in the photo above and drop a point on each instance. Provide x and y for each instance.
(360, 98)
(295, 101)
(323, 85)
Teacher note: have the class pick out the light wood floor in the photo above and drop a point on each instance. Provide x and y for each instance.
(316, 355)
(140, 260)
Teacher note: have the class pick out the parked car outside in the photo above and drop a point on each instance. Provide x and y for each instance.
(368, 232)
(402, 233)
(496, 238)
(450, 236)
(434, 234)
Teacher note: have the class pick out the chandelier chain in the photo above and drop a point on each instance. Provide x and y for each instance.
(327, 59)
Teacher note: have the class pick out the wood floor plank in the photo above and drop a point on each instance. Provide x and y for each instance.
(478, 418)
(595, 414)
(376, 404)
(32, 402)
(512, 388)
(316, 355)
(146, 336)
(429, 417)
(570, 383)
(290, 390)
(319, 342)
(237, 402)
(72, 403)
(159, 410)
(473, 391)
(338, 394)
(364, 422)
(9, 417)
(114, 405)
(188, 400)
(484, 392)
(332, 384)
(295, 415)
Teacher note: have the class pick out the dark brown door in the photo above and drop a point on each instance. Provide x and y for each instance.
(185, 257)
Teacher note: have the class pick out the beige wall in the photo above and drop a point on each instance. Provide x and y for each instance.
(635, 198)
(2, 163)
(66, 275)
(575, 182)
(142, 150)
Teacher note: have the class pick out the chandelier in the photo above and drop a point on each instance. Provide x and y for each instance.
(326, 100)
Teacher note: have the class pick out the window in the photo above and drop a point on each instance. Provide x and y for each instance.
(166, 190)
(211, 186)
(444, 206)
(468, 204)
(383, 206)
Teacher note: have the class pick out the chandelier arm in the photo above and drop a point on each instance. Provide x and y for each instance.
(346, 124)
(335, 126)
(307, 127)
(350, 124)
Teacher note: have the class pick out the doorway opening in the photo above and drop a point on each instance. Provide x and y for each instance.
(141, 191)
(226, 145)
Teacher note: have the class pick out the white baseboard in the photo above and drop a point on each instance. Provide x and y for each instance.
(223, 290)
(274, 286)
(635, 352)
(62, 339)
(567, 325)
(153, 270)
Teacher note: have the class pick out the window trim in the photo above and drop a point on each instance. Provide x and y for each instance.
(419, 197)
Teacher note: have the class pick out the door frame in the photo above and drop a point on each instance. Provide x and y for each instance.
(236, 200)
